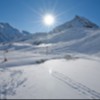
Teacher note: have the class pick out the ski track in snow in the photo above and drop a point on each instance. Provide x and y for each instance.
(92, 94)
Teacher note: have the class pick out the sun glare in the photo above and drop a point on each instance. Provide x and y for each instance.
(48, 19)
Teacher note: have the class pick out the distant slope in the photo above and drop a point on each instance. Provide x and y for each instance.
(77, 22)
(90, 44)
(78, 35)
(82, 36)
(8, 33)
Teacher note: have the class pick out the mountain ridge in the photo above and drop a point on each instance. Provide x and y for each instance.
(76, 22)
(9, 33)
(82, 36)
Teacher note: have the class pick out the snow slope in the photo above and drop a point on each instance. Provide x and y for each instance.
(89, 44)
(54, 79)
(78, 35)
(83, 36)
(9, 33)
(79, 22)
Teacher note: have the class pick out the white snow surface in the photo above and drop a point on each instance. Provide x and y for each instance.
(28, 74)
(54, 79)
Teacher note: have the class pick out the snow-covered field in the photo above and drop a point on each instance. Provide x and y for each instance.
(28, 75)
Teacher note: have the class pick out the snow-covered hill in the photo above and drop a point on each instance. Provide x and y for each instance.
(54, 79)
(77, 22)
(78, 35)
(8, 33)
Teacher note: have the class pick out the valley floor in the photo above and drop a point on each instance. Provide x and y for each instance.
(38, 76)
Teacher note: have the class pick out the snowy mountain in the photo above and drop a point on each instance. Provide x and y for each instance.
(8, 33)
(77, 28)
(78, 35)
(79, 22)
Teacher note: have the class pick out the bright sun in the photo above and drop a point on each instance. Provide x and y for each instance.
(48, 19)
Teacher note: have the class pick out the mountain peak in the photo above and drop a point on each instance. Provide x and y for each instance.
(4, 24)
(83, 22)
(8, 33)
(77, 22)
(77, 17)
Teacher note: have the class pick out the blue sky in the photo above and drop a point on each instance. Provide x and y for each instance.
(27, 14)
